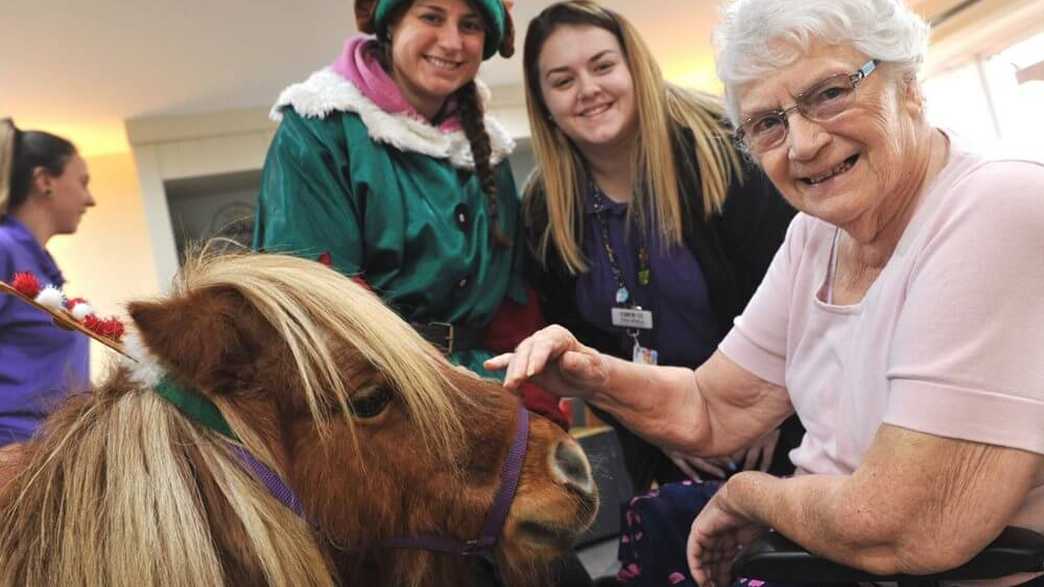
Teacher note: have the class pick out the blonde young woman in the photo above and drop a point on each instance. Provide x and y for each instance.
(648, 232)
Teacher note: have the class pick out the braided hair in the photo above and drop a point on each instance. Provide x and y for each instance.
(471, 119)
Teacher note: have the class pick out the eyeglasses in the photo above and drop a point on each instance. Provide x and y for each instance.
(821, 103)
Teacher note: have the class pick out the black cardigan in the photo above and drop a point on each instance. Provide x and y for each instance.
(734, 248)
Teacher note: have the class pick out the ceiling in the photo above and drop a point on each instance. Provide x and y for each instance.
(82, 68)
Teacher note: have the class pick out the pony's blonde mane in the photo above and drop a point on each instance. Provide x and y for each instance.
(122, 489)
(311, 307)
(111, 495)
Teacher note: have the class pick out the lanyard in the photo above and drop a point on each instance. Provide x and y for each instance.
(631, 317)
(623, 295)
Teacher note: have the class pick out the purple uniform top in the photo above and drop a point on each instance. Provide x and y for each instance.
(685, 331)
(40, 364)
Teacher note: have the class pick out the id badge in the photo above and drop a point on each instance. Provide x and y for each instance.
(644, 356)
(632, 318)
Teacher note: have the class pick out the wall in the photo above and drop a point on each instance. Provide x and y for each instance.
(199, 146)
(109, 260)
(187, 147)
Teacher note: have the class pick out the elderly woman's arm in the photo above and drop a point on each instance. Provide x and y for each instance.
(918, 504)
(716, 410)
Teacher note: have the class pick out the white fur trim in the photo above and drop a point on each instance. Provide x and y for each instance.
(147, 371)
(81, 311)
(326, 91)
(52, 297)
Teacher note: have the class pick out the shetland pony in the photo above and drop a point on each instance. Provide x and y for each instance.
(376, 433)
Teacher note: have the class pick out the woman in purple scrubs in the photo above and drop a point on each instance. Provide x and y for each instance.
(43, 192)
(649, 233)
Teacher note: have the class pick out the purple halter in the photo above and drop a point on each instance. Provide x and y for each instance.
(272, 482)
(491, 528)
(510, 474)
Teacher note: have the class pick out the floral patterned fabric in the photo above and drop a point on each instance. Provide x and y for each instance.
(655, 530)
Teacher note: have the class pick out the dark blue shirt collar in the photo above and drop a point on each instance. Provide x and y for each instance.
(20, 233)
(615, 208)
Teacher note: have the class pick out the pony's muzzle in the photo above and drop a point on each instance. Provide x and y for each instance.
(569, 467)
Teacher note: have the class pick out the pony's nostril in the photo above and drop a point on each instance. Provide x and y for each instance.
(569, 466)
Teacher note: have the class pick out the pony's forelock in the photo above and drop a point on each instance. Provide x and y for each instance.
(316, 311)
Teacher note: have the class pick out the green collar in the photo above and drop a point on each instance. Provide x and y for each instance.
(198, 408)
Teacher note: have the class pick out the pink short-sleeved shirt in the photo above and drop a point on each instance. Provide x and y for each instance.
(949, 340)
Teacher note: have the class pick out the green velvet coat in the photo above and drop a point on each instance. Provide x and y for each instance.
(391, 200)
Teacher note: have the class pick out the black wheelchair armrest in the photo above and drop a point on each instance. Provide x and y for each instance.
(775, 558)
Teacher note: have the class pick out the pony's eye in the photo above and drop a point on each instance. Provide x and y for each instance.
(370, 404)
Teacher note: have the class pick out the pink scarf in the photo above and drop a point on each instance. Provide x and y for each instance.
(357, 65)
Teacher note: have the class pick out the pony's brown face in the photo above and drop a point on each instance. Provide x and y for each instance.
(378, 480)
(368, 468)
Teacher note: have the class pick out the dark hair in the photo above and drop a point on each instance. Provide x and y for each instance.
(471, 114)
(32, 149)
(469, 105)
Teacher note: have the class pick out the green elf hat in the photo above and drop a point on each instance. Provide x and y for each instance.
(371, 16)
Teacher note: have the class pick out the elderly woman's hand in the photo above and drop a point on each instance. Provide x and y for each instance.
(718, 534)
(554, 359)
(696, 468)
(760, 454)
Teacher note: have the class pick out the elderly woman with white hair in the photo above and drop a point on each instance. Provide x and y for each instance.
(901, 318)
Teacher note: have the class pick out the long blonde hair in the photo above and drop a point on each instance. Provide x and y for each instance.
(663, 110)
(122, 490)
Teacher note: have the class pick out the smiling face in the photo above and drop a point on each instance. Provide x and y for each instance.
(587, 86)
(69, 195)
(436, 48)
(857, 168)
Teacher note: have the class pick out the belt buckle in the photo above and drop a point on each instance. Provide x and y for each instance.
(448, 348)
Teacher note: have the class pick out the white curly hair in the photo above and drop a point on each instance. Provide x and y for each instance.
(757, 37)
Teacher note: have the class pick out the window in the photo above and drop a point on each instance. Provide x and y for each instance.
(994, 98)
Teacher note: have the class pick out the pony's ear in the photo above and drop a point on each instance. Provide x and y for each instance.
(209, 337)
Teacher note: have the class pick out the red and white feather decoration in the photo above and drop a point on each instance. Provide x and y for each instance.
(65, 310)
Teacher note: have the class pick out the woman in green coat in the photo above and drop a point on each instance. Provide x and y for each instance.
(386, 168)
(372, 171)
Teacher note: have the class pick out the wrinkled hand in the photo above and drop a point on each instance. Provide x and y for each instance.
(718, 534)
(555, 360)
(697, 468)
(760, 454)
(757, 456)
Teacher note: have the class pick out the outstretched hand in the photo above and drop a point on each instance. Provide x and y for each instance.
(718, 535)
(555, 360)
